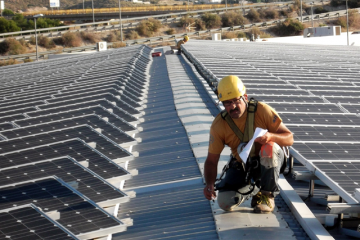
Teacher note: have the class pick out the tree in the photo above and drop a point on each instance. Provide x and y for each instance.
(8, 26)
(211, 20)
(7, 12)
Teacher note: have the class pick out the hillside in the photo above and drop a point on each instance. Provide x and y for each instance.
(23, 5)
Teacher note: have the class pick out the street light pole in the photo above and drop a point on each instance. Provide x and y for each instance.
(36, 42)
(347, 22)
(301, 10)
(226, 5)
(121, 32)
(312, 19)
(83, 5)
(92, 3)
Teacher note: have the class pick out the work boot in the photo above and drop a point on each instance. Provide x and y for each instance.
(263, 202)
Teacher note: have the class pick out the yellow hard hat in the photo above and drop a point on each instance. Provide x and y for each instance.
(186, 38)
(230, 87)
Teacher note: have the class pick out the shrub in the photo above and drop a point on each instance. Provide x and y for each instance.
(228, 35)
(8, 26)
(111, 37)
(12, 47)
(170, 31)
(132, 35)
(70, 39)
(32, 40)
(8, 62)
(28, 60)
(232, 18)
(319, 10)
(284, 13)
(253, 15)
(241, 35)
(148, 27)
(90, 37)
(200, 24)
(45, 42)
(211, 20)
(118, 45)
(185, 21)
(7, 12)
(271, 13)
(289, 28)
(354, 20)
(23, 42)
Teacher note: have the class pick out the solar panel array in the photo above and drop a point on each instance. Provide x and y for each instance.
(66, 133)
(314, 88)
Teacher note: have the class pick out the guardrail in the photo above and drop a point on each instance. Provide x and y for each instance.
(144, 8)
(127, 21)
(167, 38)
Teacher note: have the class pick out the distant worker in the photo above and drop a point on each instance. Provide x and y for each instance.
(186, 38)
(234, 127)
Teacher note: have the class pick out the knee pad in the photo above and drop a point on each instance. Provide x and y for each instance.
(228, 200)
(270, 155)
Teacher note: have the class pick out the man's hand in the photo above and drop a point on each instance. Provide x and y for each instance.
(263, 139)
(209, 192)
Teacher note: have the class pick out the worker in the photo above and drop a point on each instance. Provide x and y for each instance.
(178, 45)
(267, 155)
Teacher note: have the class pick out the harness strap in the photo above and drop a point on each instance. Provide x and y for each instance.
(249, 127)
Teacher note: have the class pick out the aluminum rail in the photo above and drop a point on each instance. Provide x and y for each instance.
(163, 18)
(302, 213)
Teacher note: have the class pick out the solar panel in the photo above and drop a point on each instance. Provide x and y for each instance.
(306, 107)
(343, 99)
(100, 163)
(87, 182)
(94, 121)
(5, 126)
(83, 132)
(111, 98)
(327, 150)
(74, 107)
(98, 110)
(320, 118)
(77, 213)
(12, 118)
(325, 133)
(29, 222)
(352, 108)
(345, 173)
(289, 98)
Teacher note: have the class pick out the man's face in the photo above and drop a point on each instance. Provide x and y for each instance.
(235, 107)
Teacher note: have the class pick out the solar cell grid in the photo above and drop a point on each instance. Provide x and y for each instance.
(328, 150)
(107, 129)
(306, 107)
(16, 111)
(76, 215)
(83, 132)
(345, 174)
(325, 133)
(289, 98)
(69, 171)
(6, 126)
(338, 93)
(295, 92)
(107, 96)
(320, 118)
(27, 223)
(352, 108)
(343, 99)
(98, 110)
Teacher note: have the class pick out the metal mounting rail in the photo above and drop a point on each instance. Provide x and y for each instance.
(305, 217)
